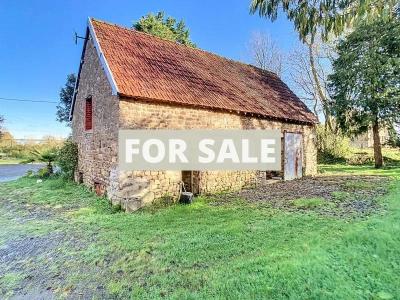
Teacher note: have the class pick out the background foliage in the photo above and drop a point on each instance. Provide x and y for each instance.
(165, 27)
(332, 146)
(325, 16)
(67, 159)
(11, 148)
(66, 95)
(369, 91)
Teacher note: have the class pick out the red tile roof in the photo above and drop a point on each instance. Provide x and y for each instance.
(151, 68)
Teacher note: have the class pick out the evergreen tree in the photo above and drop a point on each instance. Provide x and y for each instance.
(66, 95)
(365, 84)
(165, 27)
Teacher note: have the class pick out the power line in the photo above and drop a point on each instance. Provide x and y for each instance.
(27, 100)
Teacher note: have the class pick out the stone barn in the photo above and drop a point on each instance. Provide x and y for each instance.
(132, 80)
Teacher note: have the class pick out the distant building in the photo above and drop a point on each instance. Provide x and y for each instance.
(366, 140)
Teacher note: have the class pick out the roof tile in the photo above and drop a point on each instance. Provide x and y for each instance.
(153, 68)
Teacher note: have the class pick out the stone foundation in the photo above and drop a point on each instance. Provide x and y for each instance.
(132, 190)
(135, 189)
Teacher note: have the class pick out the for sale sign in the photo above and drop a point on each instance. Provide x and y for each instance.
(200, 150)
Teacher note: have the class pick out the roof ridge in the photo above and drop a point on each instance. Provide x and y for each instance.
(181, 45)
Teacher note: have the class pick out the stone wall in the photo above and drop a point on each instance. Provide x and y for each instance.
(98, 148)
(135, 114)
(221, 181)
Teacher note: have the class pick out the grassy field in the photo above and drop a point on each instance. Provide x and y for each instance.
(391, 156)
(59, 239)
(10, 161)
(358, 157)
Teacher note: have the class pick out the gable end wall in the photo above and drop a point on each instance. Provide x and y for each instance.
(97, 147)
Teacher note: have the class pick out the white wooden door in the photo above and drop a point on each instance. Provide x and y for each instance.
(293, 163)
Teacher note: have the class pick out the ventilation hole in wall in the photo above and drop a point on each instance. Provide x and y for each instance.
(98, 188)
(80, 178)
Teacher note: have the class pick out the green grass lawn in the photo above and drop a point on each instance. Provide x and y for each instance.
(199, 251)
(365, 156)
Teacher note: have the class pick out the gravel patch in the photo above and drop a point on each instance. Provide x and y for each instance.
(343, 195)
(43, 262)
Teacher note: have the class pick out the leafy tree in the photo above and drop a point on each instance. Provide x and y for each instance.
(66, 95)
(315, 19)
(165, 27)
(6, 139)
(365, 84)
(394, 136)
(67, 158)
(333, 147)
(1, 125)
(327, 16)
(48, 156)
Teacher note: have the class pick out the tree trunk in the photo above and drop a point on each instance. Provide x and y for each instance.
(50, 167)
(377, 146)
(319, 90)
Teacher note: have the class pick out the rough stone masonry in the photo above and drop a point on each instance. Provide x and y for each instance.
(98, 147)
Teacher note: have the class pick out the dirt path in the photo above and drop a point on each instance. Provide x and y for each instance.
(36, 266)
(13, 171)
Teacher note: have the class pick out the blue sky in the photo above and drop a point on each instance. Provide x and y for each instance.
(37, 50)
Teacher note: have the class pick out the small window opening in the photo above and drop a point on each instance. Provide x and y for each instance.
(88, 114)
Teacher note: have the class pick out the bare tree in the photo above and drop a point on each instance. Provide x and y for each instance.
(308, 66)
(265, 53)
